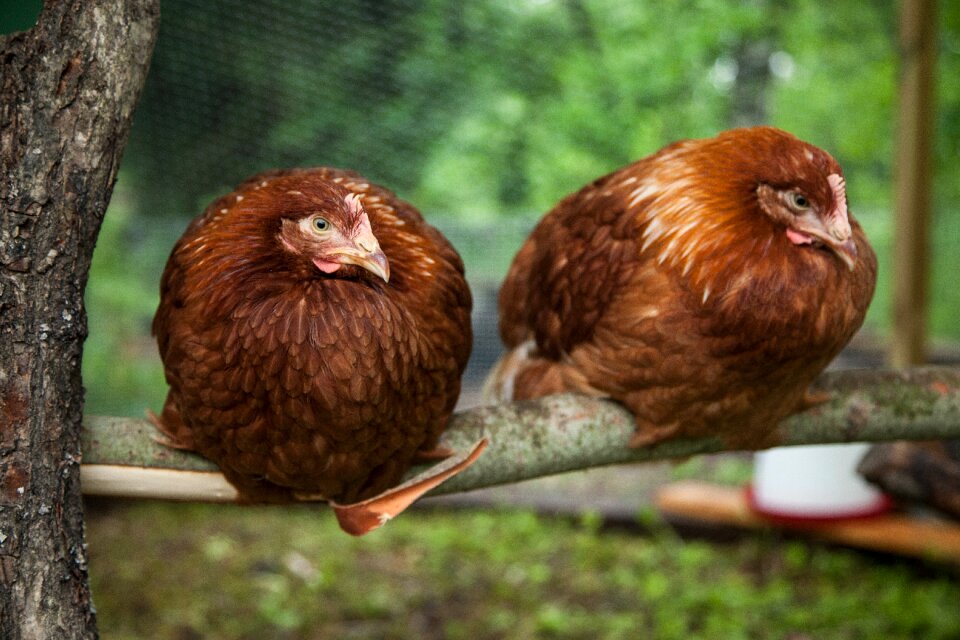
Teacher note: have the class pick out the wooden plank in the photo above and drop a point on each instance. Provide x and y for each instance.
(163, 484)
(892, 533)
(913, 178)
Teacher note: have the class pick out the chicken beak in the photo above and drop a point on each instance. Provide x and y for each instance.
(375, 262)
(844, 248)
(846, 251)
(834, 233)
(367, 254)
(361, 248)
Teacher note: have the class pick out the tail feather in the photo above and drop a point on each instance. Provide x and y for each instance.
(500, 383)
(521, 374)
(362, 517)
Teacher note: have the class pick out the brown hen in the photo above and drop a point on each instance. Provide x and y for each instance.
(704, 287)
(313, 330)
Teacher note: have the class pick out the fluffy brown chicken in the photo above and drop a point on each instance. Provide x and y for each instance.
(313, 330)
(704, 287)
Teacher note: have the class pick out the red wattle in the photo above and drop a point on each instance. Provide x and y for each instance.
(326, 266)
(797, 237)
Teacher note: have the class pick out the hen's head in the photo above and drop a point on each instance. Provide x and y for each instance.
(801, 189)
(749, 194)
(324, 228)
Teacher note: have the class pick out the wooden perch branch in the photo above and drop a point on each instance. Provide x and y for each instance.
(565, 433)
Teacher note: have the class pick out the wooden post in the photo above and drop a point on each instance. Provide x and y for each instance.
(913, 176)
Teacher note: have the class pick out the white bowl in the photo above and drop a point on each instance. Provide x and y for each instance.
(814, 482)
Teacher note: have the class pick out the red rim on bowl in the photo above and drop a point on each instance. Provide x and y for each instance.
(882, 504)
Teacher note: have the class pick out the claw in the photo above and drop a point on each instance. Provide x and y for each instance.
(365, 516)
(166, 437)
(813, 399)
(646, 436)
(436, 453)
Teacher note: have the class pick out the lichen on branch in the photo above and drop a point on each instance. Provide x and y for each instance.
(563, 433)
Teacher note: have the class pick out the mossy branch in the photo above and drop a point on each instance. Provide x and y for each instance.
(565, 433)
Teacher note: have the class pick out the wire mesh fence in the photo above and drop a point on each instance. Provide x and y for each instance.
(483, 115)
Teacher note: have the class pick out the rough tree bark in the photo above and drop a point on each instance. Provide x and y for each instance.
(67, 93)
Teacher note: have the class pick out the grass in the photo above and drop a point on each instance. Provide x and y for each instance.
(173, 571)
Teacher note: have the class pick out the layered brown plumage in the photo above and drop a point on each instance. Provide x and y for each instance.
(704, 287)
(313, 329)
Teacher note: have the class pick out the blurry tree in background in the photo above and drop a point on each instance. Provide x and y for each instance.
(485, 113)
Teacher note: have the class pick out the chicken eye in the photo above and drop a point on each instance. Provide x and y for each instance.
(321, 224)
(798, 200)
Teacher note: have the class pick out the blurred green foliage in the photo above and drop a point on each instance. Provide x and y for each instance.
(121, 370)
(499, 108)
(19, 15)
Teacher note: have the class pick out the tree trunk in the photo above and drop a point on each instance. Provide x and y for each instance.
(67, 93)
